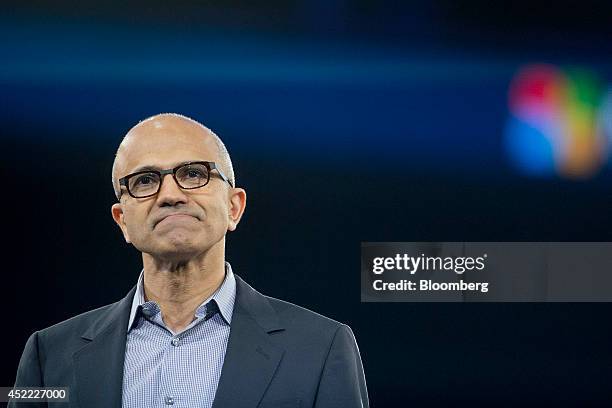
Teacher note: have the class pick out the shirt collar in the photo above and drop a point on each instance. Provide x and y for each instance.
(224, 297)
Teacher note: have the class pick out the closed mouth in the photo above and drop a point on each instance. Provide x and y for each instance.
(176, 215)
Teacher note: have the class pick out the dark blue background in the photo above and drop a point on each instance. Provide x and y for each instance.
(347, 122)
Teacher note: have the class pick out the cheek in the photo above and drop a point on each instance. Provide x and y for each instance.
(136, 224)
(216, 218)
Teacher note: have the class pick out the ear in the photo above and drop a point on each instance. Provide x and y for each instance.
(237, 202)
(117, 213)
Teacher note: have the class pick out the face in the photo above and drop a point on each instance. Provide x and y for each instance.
(175, 224)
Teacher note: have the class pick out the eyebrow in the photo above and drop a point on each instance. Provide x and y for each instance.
(157, 168)
(144, 168)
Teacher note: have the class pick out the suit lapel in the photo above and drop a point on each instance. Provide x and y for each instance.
(249, 365)
(99, 364)
(251, 358)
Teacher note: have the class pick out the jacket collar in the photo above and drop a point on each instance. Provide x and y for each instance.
(249, 365)
(224, 296)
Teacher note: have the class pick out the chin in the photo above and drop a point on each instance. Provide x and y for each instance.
(178, 246)
(176, 254)
(178, 240)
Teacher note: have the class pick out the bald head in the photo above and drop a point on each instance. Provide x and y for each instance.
(155, 135)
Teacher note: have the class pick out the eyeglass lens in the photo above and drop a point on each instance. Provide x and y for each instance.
(188, 176)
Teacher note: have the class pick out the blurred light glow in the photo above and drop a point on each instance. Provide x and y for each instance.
(555, 122)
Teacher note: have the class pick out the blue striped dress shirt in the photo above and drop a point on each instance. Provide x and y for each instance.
(166, 369)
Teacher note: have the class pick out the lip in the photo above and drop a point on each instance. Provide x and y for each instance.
(175, 216)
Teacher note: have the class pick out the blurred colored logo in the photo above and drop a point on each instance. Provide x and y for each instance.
(558, 122)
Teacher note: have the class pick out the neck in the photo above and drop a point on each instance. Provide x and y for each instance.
(179, 287)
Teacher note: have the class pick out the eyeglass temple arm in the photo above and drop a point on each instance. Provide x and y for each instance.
(213, 166)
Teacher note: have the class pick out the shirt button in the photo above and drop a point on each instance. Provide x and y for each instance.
(169, 400)
(175, 341)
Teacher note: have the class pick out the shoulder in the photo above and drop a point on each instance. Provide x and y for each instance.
(72, 332)
(310, 339)
(271, 312)
(55, 344)
(78, 324)
(291, 315)
(303, 326)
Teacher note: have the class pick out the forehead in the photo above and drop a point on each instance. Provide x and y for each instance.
(165, 143)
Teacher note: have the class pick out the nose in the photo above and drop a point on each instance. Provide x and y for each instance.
(170, 194)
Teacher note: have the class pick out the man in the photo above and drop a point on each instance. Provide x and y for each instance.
(191, 333)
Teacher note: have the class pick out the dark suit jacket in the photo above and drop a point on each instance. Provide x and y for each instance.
(278, 355)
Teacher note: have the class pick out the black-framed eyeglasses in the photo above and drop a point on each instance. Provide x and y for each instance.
(188, 176)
